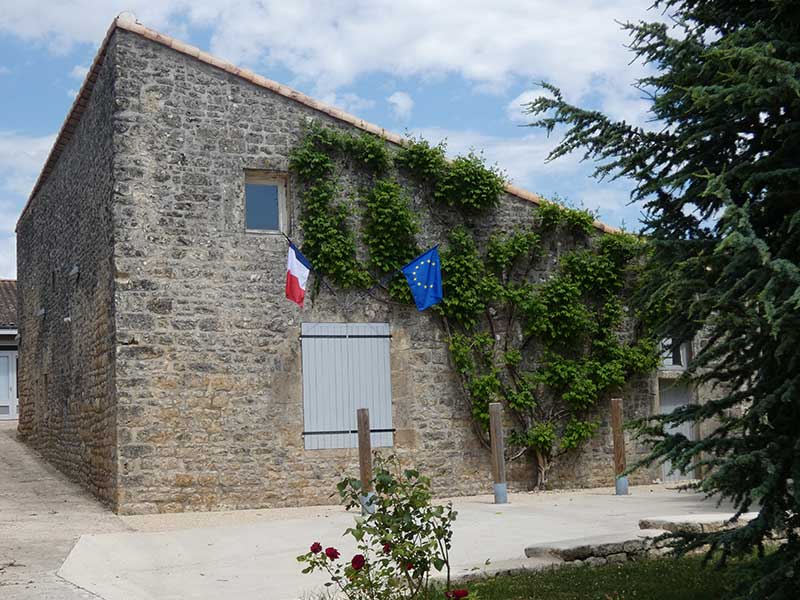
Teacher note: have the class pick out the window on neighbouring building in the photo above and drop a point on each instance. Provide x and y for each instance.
(675, 355)
(345, 367)
(264, 201)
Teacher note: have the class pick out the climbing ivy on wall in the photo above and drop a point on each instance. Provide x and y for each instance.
(547, 342)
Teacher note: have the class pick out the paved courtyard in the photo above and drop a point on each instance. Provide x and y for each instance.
(46, 520)
(42, 515)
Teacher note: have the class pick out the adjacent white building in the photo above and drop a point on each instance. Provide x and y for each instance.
(8, 350)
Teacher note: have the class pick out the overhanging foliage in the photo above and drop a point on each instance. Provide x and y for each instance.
(721, 183)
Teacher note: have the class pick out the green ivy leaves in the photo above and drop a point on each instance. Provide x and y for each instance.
(328, 242)
(551, 216)
(469, 185)
(390, 226)
(568, 352)
(465, 183)
(425, 162)
(548, 348)
(465, 286)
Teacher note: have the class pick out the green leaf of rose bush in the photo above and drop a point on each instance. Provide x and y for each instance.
(399, 545)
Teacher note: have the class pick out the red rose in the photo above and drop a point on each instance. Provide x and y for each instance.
(332, 553)
(409, 566)
(358, 562)
(387, 547)
(460, 593)
(316, 548)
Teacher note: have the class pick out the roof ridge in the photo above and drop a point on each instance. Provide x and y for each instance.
(128, 22)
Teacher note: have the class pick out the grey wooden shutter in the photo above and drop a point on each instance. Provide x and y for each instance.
(345, 367)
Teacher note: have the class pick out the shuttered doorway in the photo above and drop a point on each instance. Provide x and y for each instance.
(345, 367)
(672, 395)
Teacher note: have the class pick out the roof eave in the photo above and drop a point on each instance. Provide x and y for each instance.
(128, 23)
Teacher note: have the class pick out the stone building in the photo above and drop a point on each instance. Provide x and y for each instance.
(161, 365)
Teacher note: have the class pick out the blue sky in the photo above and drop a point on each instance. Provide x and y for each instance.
(455, 70)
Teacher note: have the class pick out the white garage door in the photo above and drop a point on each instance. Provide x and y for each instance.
(8, 385)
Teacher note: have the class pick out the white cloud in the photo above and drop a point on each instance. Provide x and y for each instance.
(347, 101)
(8, 256)
(332, 44)
(79, 72)
(515, 110)
(21, 159)
(402, 104)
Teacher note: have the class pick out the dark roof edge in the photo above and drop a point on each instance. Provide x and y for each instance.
(129, 23)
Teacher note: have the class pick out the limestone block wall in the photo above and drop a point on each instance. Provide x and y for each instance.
(593, 466)
(66, 309)
(208, 370)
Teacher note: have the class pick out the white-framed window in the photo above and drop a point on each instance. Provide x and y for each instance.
(345, 367)
(675, 355)
(265, 202)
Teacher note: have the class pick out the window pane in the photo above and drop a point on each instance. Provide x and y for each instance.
(261, 206)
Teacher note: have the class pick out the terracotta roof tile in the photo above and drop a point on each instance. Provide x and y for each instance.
(130, 24)
(8, 304)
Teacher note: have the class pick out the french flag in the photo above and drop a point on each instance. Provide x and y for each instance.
(297, 270)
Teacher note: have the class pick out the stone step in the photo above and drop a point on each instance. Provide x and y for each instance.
(700, 523)
(505, 567)
(599, 546)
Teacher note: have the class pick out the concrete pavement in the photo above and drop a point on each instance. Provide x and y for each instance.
(42, 515)
(250, 555)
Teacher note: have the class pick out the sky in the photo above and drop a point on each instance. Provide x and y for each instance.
(458, 70)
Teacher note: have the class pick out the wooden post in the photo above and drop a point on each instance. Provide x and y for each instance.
(498, 453)
(621, 481)
(365, 460)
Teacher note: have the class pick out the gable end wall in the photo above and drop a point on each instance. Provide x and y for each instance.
(208, 362)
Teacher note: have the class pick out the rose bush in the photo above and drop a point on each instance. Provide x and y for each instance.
(400, 544)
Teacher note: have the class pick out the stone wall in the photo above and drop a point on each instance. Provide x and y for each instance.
(66, 314)
(208, 363)
(593, 466)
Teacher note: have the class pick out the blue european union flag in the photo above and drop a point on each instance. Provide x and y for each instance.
(424, 275)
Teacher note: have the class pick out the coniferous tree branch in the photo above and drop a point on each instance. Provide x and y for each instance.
(720, 181)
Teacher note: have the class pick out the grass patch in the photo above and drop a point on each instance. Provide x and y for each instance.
(665, 579)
